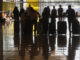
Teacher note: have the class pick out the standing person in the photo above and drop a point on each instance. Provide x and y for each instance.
(16, 13)
(16, 26)
(52, 28)
(60, 12)
(71, 16)
(53, 14)
(45, 18)
(16, 20)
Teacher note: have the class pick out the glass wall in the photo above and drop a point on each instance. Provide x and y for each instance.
(8, 6)
(75, 4)
(34, 4)
(39, 5)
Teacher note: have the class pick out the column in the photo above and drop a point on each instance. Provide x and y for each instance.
(1, 38)
(0, 5)
(1, 43)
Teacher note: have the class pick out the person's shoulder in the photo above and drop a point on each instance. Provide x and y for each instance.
(61, 8)
(54, 9)
(72, 9)
(67, 10)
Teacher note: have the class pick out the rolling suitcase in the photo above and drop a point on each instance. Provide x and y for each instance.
(62, 27)
(75, 27)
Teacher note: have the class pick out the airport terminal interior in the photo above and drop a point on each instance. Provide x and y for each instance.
(35, 34)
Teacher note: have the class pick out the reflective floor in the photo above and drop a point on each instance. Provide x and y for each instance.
(39, 47)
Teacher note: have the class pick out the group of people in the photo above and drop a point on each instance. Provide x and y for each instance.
(70, 14)
(29, 17)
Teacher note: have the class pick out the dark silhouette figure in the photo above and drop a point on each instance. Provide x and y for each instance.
(53, 14)
(16, 26)
(52, 28)
(45, 18)
(26, 27)
(26, 30)
(34, 15)
(16, 13)
(71, 16)
(60, 12)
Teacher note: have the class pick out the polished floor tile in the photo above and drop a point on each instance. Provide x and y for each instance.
(37, 47)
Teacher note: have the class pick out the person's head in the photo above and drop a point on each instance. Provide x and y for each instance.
(16, 8)
(47, 6)
(53, 7)
(60, 6)
(29, 5)
(69, 6)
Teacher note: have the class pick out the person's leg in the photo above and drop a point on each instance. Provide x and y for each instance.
(58, 18)
(69, 23)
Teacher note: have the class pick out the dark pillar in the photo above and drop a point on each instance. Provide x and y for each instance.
(0, 5)
(1, 42)
(1, 38)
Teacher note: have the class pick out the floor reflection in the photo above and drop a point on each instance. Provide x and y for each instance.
(73, 47)
(37, 47)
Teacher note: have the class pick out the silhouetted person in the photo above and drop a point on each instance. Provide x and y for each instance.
(45, 18)
(26, 25)
(71, 16)
(60, 12)
(16, 26)
(26, 33)
(53, 14)
(34, 15)
(52, 28)
(16, 13)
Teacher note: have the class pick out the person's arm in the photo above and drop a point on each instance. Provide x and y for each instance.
(66, 12)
